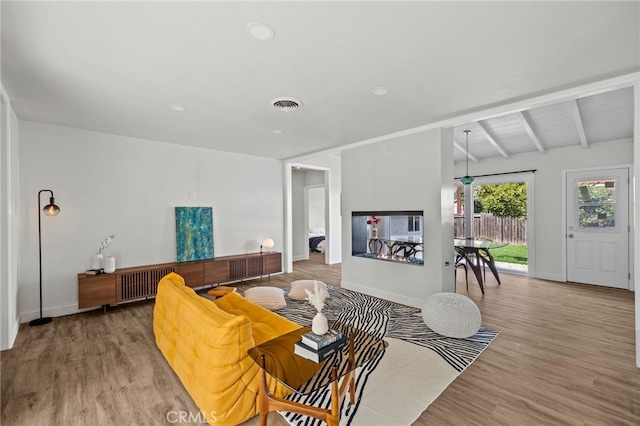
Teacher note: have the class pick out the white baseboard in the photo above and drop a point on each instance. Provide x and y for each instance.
(382, 294)
(59, 311)
(300, 257)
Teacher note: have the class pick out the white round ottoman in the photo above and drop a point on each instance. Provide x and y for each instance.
(452, 315)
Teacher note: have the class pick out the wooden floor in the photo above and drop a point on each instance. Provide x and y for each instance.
(564, 356)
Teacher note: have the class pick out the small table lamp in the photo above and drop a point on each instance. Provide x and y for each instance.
(268, 244)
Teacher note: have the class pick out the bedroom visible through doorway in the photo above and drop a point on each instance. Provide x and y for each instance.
(316, 219)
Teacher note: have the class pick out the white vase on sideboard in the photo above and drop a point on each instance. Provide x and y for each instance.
(96, 262)
(109, 264)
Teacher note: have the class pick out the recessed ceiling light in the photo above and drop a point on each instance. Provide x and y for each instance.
(380, 91)
(276, 131)
(260, 31)
(177, 108)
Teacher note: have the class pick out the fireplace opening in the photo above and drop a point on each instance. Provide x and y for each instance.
(392, 236)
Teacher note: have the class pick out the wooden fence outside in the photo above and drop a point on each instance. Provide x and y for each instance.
(510, 230)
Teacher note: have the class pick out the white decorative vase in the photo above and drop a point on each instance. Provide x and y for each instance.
(319, 325)
(110, 265)
(96, 262)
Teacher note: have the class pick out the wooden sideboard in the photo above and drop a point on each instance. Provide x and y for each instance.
(142, 281)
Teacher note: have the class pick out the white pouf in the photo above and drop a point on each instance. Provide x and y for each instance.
(452, 315)
(268, 297)
(298, 288)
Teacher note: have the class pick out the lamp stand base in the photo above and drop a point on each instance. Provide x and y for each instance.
(40, 321)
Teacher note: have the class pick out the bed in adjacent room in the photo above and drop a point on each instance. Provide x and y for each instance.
(316, 240)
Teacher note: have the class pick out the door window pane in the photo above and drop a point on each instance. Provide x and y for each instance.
(597, 203)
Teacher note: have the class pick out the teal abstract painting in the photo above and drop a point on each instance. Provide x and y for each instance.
(194, 233)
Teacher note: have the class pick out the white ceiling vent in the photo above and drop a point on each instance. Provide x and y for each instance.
(286, 104)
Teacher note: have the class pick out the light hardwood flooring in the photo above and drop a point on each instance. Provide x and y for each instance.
(564, 356)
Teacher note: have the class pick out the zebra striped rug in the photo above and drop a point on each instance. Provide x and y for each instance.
(398, 385)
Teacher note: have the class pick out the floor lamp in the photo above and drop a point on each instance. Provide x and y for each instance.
(50, 210)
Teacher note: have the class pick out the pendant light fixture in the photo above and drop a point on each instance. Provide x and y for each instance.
(466, 179)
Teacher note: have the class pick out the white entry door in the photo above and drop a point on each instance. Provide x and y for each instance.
(597, 231)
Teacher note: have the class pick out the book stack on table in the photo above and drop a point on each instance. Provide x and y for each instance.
(318, 347)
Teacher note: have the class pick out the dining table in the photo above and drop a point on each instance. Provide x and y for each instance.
(476, 253)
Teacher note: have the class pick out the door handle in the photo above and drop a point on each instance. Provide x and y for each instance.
(570, 235)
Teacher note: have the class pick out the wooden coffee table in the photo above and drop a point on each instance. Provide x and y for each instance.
(277, 359)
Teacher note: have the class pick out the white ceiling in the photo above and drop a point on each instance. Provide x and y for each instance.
(116, 67)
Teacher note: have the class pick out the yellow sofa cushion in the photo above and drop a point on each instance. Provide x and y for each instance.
(206, 344)
(265, 325)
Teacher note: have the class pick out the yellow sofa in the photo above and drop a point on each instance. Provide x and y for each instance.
(206, 344)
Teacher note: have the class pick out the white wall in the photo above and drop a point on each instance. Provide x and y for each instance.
(9, 224)
(107, 184)
(316, 207)
(424, 161)
(548, 231)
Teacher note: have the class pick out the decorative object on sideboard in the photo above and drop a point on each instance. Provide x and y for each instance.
(50, 209)
(109, 265)
(319, 324)
(97, 261)
(267, 244)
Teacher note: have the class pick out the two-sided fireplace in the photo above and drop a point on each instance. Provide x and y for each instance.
(393, 236)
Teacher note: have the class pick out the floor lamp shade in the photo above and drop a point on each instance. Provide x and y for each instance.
(50, 209)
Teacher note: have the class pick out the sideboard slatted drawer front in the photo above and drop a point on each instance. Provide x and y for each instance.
(237, 269)
(139, 284)
(254, 266)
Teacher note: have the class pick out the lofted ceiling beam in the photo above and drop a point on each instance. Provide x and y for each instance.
(577, 119)
(526, 124)
(492, 140)
(466, 154)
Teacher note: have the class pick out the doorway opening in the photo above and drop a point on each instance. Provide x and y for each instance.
(315, 218)
(502, 213)
(307, 214)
